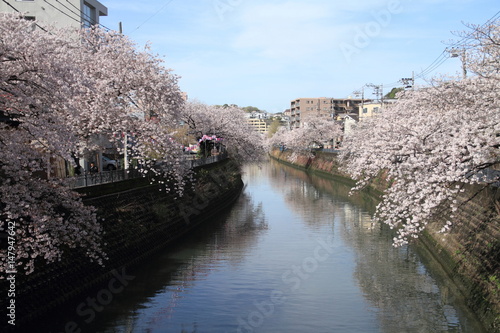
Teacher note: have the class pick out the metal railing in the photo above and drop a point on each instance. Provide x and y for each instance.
(113, 176)
(105, 177)
(333, 151)
(193, 163)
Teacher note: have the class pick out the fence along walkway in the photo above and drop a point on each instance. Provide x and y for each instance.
(113, 176)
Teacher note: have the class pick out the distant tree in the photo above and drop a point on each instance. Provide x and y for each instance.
(226, 105)
(228, 123)
(250, 109)
(273, 128)
(392, 94)
(314, 130)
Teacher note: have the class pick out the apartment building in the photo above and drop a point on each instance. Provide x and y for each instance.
(321, 106)
(59, 13)
(259, 125)
(372, 108)
(259, 121)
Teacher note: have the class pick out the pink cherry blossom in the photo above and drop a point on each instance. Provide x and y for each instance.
(313, 130)
(62, 93)
(433, 141)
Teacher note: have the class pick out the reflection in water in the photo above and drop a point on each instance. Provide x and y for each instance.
(394, 281)
(397, 283)
(315, 198)
(292, 235)
(211, 248)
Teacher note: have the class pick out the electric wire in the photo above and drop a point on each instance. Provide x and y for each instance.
(149, 18)
(18, 11)
(465, 38)
(444, 56)
(83, 14)
(60, 10)
(461, 43)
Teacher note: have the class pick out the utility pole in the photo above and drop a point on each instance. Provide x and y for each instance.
(464, 64)
(382, 95)
(125, 136)
(409, 82)
(362, 94)
(455, 53)
(377, 90)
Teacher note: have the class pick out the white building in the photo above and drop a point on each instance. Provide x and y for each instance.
(59, 13)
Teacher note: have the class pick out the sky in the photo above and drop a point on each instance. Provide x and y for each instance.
(265, 53)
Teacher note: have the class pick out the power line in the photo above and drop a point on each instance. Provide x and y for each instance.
(18, 11)
(434, 65)
(149, 18)
(466, 37)
(462, 42)
(60, 10)
(65, 13)
(83, 13)
(444, 56)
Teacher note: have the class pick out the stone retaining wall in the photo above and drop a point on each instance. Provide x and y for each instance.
(138, 222)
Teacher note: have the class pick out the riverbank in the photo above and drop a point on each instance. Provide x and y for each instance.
(468, 254)
(138, 220)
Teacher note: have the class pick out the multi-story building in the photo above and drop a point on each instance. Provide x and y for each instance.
(258, 124)
(369, 109)
(61, 14)
(259, 121)
(323, 107)
(372, 108)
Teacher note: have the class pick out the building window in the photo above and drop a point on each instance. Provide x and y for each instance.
(375, 109)
(365, 110)
(88, 16)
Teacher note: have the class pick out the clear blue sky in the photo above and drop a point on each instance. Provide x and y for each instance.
(265, 53)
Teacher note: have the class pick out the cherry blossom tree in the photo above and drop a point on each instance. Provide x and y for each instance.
(59, 90)
(481, 47)
(314, 130)
(432, 142)
(226, 122)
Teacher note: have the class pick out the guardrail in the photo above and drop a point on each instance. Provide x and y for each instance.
(333, 151)
(193, 163)
(106, 177)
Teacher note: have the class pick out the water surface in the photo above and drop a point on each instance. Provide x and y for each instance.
(294, 254)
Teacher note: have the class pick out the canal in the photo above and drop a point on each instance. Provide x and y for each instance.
(294, 254)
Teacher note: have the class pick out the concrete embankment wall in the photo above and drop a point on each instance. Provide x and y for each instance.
(469, 254)
(139, 220)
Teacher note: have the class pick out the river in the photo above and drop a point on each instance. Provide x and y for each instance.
(295, 253)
